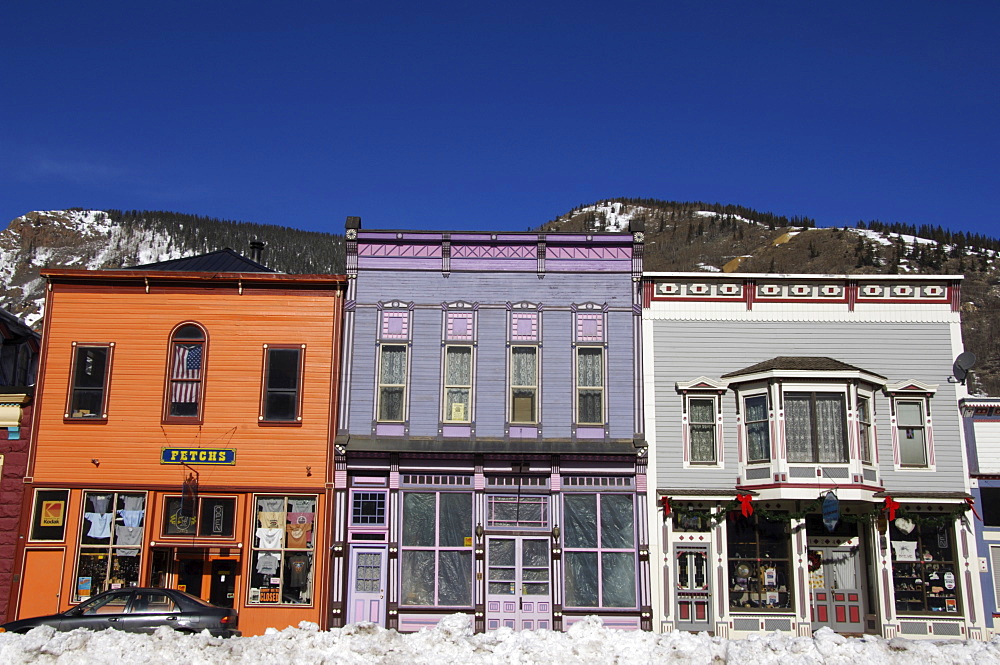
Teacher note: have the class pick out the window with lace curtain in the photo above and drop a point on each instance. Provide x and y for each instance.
(457, 384)
(702, 432)
(590, 385)
(816, 427)
(392, 383)
(523, 384)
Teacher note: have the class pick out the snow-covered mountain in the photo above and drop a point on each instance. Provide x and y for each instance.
(117, 239)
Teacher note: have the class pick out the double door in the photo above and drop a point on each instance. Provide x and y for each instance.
(694, 596)
(518, 583)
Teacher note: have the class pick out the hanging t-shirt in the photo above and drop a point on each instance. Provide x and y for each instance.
(128, 535)
(271, 520)
(271, 505)
(269, 539)
(267, 564)
(298, 535)
(132, 517)
(302, 505)
(100, 502)
(298, 570)
(100, 524)
(301, 518)
(133, 502)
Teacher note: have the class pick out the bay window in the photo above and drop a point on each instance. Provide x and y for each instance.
(758, 428)
(816, 427)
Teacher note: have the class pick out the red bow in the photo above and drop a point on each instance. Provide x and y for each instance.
(745, 506)
(972, 507)
(665, 502)
(890, 507)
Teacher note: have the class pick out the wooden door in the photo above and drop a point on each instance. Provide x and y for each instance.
(518, 584)
(694, 596)
(837, 588)
(42, 580)
(366, 593)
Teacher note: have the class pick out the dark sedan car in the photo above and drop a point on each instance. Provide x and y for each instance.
(139, 610)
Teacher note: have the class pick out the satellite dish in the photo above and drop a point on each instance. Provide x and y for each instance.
(963, 363)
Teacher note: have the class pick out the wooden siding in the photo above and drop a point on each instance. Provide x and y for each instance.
(428, 290)
(128, 444)
(685, 350)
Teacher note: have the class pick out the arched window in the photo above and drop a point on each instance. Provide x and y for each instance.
(185, 391)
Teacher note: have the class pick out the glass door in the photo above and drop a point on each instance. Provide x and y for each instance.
(518, 584)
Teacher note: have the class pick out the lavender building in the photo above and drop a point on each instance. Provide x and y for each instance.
(489, 455)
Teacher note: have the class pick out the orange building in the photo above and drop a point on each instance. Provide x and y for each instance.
(184, 413)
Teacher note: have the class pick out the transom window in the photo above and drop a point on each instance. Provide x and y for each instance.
(187, 360)
(512, 510)
(368, 509)
(816, 427)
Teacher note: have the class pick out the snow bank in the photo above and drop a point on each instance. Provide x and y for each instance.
(452, 641)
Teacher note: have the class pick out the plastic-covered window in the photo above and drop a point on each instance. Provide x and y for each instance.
(436, 549)
(599, 544)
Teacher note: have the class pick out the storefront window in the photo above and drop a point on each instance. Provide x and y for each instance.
(48, 521)
(281, 564)
(759, 576)
(110, 542)
(205, 517)
(436, 549)
(925, 577)
(599, 548)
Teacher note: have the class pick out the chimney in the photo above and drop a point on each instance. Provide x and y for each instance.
(256, 248)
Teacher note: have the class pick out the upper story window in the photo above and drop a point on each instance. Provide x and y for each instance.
(911, 418)
(590, 385)
(457, 383)
(458, 361)
(282, 385)
(523, 384)
(393, 362)
(816, 427)
(821, 406)
(89, 379)
(392, 383)
(590, 344)
(524, 336)
(866, 432)
(758, 428)
(702, 420)
(185, 393)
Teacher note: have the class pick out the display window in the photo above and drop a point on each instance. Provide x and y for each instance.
(111, 540)
(758, 559)
(281, 564)
(204, 516)
(924, 573)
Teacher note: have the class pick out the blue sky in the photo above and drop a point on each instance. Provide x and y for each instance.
(501, 115)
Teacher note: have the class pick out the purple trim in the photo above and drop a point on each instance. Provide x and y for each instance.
(524, 432)
(472, 263)
(463, 431)
(590, 432)
(390, 430)
(366, 250)
(380, 263)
